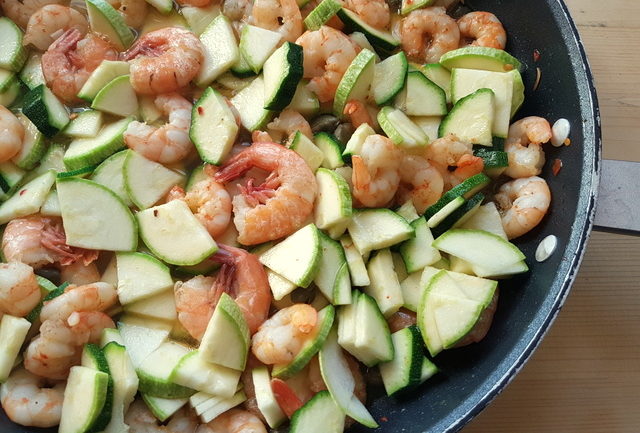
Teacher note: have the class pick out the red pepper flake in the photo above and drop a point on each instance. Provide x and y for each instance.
(508, 67)
(155, 212)
(200, 111)
(384, 419)
(73, 116)
(286, 398)
(567, 142)
(536, 55)
(557, 165)
(23, 191)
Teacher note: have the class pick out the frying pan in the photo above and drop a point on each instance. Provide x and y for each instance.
(473, 376)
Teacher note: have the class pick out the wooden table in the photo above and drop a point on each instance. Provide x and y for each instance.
(585, 377)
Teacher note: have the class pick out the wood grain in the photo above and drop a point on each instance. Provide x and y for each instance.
(585, 377)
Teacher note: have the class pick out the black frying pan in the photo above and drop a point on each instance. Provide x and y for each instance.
(471, 377)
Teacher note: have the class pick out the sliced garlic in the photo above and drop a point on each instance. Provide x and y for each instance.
(546, 247)
(560, 132)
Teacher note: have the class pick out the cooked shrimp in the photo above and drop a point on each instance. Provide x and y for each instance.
(59, 345)
(164, 60)
(195, 302)
(134, 12)
(282, 16)
(210, 203)
(287, 124)
(373, 12)
(420, 182)
(78, 273)
(27, 401)
(90, 297)
(48, 22)
(358, 113)
(482, 29)
(282, 204)
(522, 204)
(524, 146)
(327, 55)
(449, 152)
(427, 34)
(19, 11)
(70, 59)
(241, 275)
(168, 143)
(234, 421)
(244, 278)
(19, 290)
(11, 134)
(376, 171)
(281, 337)
(39, 241)
(140, 420)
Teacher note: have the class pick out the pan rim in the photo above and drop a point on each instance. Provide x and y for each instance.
(590, 179)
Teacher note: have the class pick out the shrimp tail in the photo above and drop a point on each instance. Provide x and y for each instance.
(67, 41)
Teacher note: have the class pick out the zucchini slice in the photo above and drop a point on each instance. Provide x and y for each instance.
(45, 110)
(12, 53)
(282, 73)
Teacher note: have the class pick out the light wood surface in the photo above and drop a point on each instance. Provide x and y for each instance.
(585, 377)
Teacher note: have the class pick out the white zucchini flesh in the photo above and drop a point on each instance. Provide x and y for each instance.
(340, 381)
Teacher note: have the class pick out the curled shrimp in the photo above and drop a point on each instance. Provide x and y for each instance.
(278, 207)
(281, 337)
(27, 401)
(19, 290)
(241, 275)
(373, 12)
(420, 182)
(210, 203)
(482, 29)
(195, 301)
(524, 146)
(168, 143)
(58, 347)
(327, 55)
(427, 34)
(449, 152)
(70, 59)
(134, 12)
(11, 134)
(164, 60)
(234, 421)
(376, 174)
(90, 297)
(47, 22)
(282, 16)
(522, 204)
(78, 273)
(19, 11)
(357, 113)
(140, 420)
(39, 241)
(287, 124)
